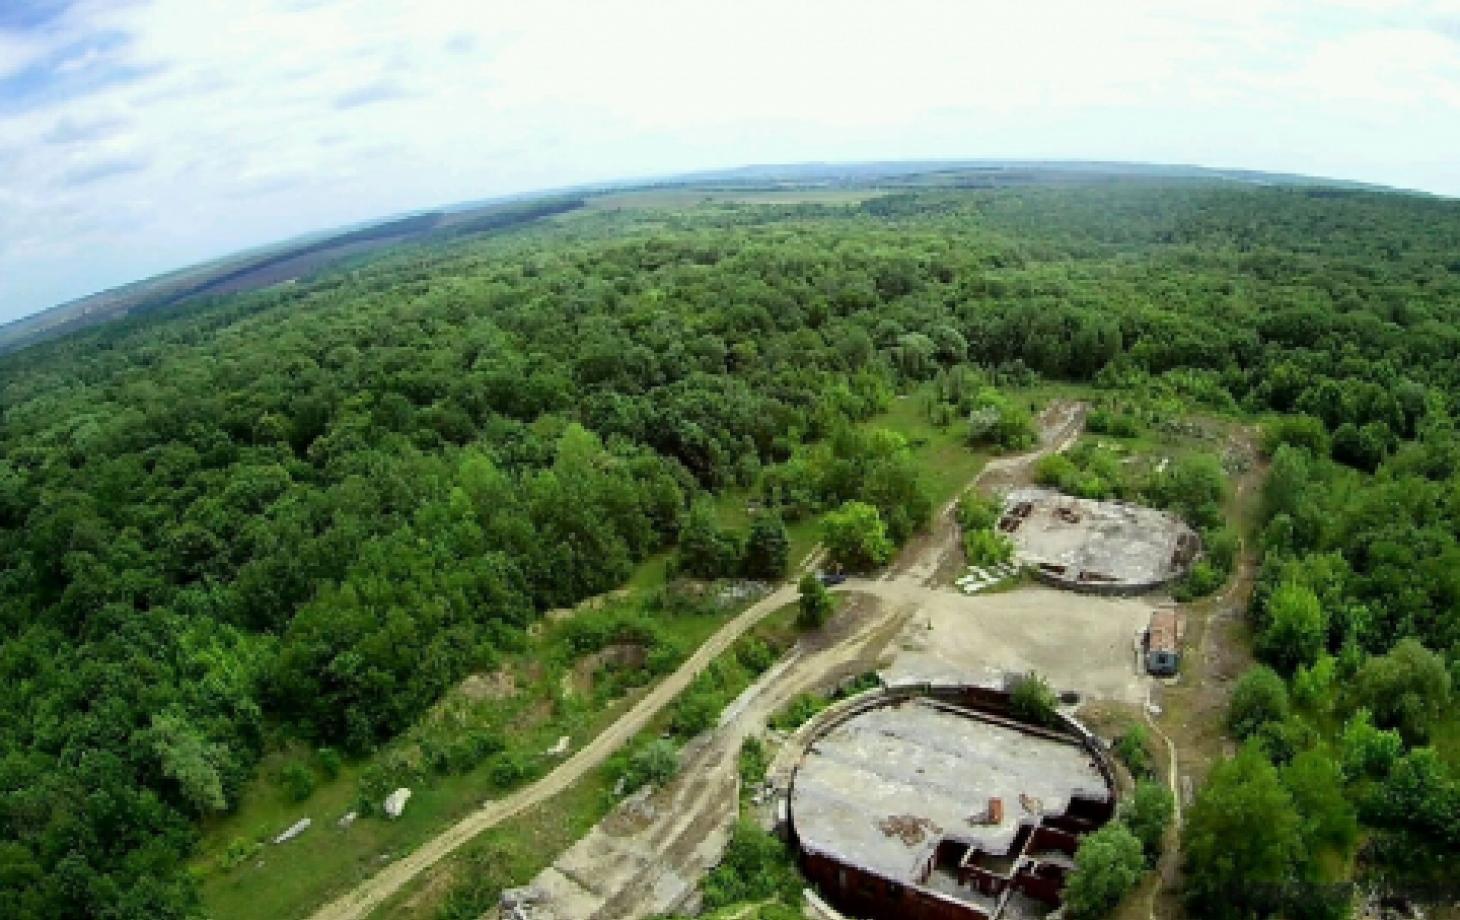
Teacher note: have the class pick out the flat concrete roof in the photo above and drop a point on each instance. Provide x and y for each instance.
(1124, 543)
(932, 768)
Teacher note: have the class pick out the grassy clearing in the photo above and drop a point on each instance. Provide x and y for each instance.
(942, 452)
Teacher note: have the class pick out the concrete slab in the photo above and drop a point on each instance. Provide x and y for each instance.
(1077, 642)
(928, 770)
(1096, 542)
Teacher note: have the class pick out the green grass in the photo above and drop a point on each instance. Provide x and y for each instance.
(943, 453)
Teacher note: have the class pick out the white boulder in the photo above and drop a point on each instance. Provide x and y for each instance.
(294, 830)
(395, 803)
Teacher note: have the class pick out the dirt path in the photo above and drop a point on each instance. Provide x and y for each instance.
(1193, 711)
(928, 555)
(369, 894)
(1060, 426)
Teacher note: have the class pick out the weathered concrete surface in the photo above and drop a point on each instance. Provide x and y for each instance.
(1086, 644)
(919, 761)
(1124, 545)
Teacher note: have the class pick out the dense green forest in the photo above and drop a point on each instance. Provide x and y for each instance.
(306, 512)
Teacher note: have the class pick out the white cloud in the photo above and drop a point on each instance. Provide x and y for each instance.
(200, 126)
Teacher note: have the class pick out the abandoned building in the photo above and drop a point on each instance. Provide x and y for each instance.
(930, 804)
(1099, 547)
(1162, 642)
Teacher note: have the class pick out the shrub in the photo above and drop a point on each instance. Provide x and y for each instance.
(329, 762)
(815, 602)
(798, 711)
(298, 781)
(1148, 813)
(987, 548)
(978, 512)
(1131, 749)
(1108, 864)
(754, 761)
(856, 536)
(756, 867)
(654, 763)
(1032, 700)
(1260, 697)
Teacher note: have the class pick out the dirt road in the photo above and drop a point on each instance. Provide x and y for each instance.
(373, 891)
(1060, 426)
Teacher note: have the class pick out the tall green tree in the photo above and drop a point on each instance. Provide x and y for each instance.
(768, 548)
(855, 537)
(1243, 840)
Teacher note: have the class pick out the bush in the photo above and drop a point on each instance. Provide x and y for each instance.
(329, 762)
(1407, 689)
(509, 769)
(1032, 700)
(978, 512)
(654, 763)
(815, 603)
(754, 761)
(756, 867)
(1131, 749)
(1260, 697)
(1148, 813)
(768, 549)
(1108, 864)
(755, 655)
(695, 711)
(986, 548)
(856, 537)
(1202, 580)
(298, 781)
(797, 712)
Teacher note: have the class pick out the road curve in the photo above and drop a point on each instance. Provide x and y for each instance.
(371, 893)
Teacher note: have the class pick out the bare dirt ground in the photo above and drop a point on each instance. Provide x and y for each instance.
(1084, 644)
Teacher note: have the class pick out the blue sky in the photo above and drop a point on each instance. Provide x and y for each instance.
(141, 135)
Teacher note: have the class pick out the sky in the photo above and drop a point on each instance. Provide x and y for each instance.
(138, 136)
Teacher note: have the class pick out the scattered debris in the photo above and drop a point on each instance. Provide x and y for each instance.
(395, 803)
(517, 903)
(993, 814)
(559, 749)
(294, 830)
(981, 579)
(347, 820)
(910, 829)
(1031, 804)
(741, 590)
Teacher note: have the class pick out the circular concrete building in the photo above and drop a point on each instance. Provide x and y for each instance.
(937, 803)
(1099, 547)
